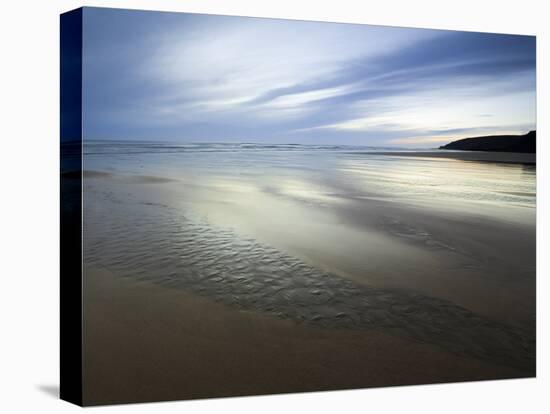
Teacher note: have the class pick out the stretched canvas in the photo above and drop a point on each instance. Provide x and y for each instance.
(258, 206)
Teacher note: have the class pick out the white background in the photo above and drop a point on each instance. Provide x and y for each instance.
(29, 205)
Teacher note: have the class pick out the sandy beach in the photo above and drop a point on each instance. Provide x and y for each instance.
(207, 275)
(153, 343)
(505, 157)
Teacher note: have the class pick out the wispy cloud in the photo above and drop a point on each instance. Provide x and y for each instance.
(198, 77)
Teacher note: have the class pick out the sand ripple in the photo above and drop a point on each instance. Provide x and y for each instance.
(156, 243)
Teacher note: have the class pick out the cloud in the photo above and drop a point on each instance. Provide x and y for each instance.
(177, 76)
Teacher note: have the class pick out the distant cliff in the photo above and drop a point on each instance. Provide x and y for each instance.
(499, 143)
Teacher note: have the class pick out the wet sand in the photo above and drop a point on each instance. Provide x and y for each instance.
(253, 272)
(145, 342)
(505, 157)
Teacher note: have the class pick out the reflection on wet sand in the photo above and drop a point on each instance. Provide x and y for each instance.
(435, 251)
(243, 273)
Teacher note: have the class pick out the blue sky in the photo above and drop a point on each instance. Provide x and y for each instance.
(198, 78)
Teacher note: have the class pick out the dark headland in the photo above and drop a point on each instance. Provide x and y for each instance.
(498, 143)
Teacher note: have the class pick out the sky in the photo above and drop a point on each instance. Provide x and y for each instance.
(204, 78)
